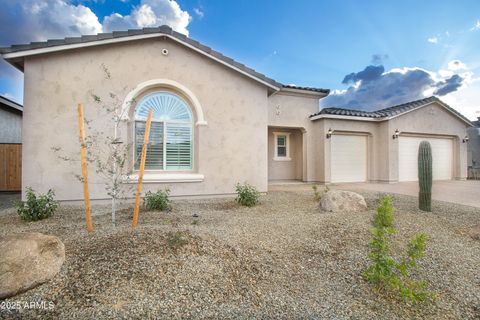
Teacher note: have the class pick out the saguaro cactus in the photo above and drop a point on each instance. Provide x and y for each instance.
(425, 176)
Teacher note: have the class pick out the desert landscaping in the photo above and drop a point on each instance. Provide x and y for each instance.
(284, 258)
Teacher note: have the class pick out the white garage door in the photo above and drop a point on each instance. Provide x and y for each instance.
(442, 158)
(348, 158)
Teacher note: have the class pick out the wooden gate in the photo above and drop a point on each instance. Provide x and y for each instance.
(10, 167)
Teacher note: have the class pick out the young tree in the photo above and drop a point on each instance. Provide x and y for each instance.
(106, 149)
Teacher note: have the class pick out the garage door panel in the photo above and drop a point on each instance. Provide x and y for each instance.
(442, 158)
(348, 158)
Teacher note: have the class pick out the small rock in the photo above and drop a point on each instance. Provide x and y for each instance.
(342, 201)
(27, 260)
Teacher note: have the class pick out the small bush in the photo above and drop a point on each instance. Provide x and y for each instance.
(157, 200)
(176, 240)
(385, 271)
(317, 196)
(247, 195)
(37, 207)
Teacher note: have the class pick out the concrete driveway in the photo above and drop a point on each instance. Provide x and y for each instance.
(462, 192)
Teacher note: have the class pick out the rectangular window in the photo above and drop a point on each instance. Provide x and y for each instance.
(282, 146)
(179, 147)
(154, 160)
(169, 146)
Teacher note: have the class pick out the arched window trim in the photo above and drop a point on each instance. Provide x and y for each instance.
(164, 126)
(154, 93)
(166, 85)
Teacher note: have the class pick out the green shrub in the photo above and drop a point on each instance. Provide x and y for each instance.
(37, 207)
(317, 196)
(176, 240)
(247, 195)
(385, 271)
(157, 200)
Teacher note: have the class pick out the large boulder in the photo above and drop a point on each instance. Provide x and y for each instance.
(27, 260)
(342, 201)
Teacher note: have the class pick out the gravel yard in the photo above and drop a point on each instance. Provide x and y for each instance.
(283, 259)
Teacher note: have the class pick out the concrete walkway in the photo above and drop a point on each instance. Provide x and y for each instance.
(461, 192)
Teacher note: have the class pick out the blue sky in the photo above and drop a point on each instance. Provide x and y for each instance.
(372, 54)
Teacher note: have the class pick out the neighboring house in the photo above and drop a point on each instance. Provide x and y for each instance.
(10, 121)
(216, 121)
(474, 150)
(10, 145)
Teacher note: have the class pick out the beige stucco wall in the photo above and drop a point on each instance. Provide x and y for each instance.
(473, 147)
(432, 120)
(290, 169)
(382, 164)
(231, 148)
(291, 110)
(367, 128)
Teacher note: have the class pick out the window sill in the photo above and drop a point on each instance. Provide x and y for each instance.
(282, 159)
(166, 177)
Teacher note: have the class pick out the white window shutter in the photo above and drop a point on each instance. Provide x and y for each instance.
(154, 160)
(179, 146)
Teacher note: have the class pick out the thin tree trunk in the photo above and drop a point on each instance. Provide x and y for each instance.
(114, 187)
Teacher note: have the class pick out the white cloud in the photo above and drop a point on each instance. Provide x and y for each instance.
(199, 12)
(144, 16)
(374, 88)
(476, 26)
(433, 40)
(445, 73)
(39, 20)
(150, 13)
(466, 100)
(455, 65)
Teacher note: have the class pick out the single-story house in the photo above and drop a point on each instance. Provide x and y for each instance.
(216, 122)
(10, 121)
(473, 147)
(10, 144)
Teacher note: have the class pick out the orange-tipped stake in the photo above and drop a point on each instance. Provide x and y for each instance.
(142, 169)
(83, 156)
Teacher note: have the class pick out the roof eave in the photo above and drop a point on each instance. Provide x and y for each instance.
(317, 94)
(341, 117)
(438, 101)
(20, 55)
(360, 118)
(11, 104)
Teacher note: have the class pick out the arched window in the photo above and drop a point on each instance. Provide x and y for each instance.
(170, 145)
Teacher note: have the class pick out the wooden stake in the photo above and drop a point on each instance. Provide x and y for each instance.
(142, 169)
(83, 156)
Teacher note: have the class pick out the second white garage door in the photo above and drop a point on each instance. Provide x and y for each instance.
(442, 158)
(348, 158)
